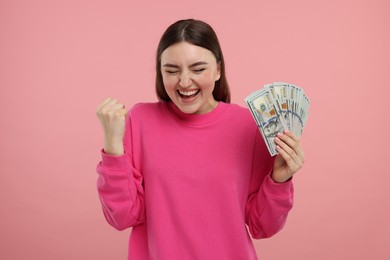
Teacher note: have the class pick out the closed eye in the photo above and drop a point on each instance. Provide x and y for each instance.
(172, 72)
(199, 70)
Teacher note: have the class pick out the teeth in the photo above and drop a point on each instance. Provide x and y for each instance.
(188, 93)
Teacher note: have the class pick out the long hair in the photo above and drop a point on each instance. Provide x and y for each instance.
(200, 34)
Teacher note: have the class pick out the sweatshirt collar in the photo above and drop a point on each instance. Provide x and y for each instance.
(197, 119)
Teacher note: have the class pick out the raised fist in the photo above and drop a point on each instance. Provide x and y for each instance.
(112, 116)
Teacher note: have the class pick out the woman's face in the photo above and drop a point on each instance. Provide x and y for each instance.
(189, 73)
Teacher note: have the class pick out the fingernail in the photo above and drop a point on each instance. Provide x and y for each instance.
(280, 134)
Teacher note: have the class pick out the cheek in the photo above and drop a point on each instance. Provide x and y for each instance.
(169, 82)
(209, 85)
(206, 80)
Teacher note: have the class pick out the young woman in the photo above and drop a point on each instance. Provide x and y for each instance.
(191, 172)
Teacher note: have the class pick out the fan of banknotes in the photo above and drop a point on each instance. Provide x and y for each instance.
(277, 107)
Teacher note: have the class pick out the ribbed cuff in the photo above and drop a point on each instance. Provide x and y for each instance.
(278, 189)
(115, 162)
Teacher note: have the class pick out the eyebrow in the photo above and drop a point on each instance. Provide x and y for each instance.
(169, 65)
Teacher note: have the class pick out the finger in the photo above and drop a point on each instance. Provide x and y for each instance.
(298, 149)
(291, 164)
(291, 140)
(293, 160)
(284, 146)
(123, 112)
(291, 135)
(113, 108)
(112, 102)
(288, 150)
(119, 112)
(103, 103)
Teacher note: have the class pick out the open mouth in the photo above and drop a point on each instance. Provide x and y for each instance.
(188, 94)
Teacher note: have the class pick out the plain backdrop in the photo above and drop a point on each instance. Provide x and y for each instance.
(60, 59)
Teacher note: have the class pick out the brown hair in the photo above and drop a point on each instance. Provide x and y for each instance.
(197, 33)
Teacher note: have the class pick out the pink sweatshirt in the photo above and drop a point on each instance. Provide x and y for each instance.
(190, 185)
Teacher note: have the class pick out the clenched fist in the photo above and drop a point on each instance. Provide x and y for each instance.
(112, 116)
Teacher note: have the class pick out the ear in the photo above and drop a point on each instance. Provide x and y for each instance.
(218, 73)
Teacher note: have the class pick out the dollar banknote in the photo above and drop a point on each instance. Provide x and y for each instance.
(277, 107)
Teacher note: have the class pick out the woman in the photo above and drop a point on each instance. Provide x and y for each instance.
(188, 172)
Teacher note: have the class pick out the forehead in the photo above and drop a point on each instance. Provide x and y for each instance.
(184, 52)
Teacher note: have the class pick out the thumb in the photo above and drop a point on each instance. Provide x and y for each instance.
(123, 111)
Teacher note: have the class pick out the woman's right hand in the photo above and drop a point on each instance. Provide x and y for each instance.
(112, 116)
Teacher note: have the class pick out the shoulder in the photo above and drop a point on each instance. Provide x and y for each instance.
(247, 124)
(148, 113)
(144, 109)
(240, 119)
(239, 113)
(237, 108)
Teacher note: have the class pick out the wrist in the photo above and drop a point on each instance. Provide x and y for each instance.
(113, 146)
(277, 179)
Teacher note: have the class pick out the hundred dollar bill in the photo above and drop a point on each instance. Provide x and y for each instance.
(276, 107)
(279, 93)
(295, 101)
(267, 116)
(299, 112)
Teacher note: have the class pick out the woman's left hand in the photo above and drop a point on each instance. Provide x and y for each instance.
(290, 158)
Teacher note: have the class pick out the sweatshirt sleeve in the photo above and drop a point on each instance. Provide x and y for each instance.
(120, 187)
(268, 202)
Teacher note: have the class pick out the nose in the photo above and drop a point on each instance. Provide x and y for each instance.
(185, 80)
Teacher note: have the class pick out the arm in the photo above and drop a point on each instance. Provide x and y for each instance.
(120, 185)
(267, 209)
(121, 192)
(268, 202)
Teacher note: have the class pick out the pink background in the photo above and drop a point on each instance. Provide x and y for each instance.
(59, 59)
